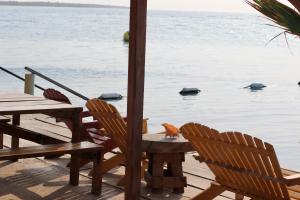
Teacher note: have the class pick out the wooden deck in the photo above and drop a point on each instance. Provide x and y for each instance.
(48, 179)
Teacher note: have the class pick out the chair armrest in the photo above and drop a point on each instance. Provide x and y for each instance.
(199, 158)
(145, 124)
(145, 119)
(84, 114)
(292, 180)
(93, 124)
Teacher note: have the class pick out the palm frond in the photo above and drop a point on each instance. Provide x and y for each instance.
(285, 17)
(274, 38)
(296, 4)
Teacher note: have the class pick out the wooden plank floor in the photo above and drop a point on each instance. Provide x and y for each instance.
(34, 179)
(47, 179)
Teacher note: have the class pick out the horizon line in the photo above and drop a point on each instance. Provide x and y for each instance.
(93, 5)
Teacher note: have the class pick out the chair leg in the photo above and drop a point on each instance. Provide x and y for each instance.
(144, 168)
(82, 162)
(239, 196)
(213, 191)
(122, 181)
(111, 163)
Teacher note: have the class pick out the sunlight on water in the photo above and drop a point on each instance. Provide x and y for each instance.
(218, 53)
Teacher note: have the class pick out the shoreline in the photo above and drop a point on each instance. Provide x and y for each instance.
(54, 4)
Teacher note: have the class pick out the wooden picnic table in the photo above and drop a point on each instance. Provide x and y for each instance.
(16, 104)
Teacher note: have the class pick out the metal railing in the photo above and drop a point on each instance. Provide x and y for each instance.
(19, 77)
(34, 72)
(57, 83)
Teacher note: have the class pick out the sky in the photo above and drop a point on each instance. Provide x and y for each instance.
(190, 5)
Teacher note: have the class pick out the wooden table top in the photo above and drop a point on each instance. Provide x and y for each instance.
(18, 103)
(158, 143)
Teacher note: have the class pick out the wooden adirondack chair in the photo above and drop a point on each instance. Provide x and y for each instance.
(91, 132)
(242, 164)
(114, 125)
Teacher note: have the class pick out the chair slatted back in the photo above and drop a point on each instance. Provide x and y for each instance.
(111, 120)
(56, 96)
(239, 161)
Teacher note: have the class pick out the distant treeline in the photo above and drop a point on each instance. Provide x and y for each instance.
(55, 4)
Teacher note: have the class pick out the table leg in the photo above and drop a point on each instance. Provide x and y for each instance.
(75, 160)
(14, 139)
(1, 140)
(76, 127)
(175, 169)
(74, 169)
(157, 171)
(97, 174)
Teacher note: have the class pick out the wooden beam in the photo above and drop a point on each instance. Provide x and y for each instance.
(136, 77)
(19, 132)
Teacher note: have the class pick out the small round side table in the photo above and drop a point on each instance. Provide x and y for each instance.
(162, 150)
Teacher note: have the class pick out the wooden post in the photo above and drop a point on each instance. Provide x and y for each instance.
(136, 77)
(29, 83)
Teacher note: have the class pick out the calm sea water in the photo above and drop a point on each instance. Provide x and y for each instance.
(219, 53)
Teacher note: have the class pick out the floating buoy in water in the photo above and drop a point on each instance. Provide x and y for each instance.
(126, 36)
(299, 83)
(110, 96)
(189, 91)
(256, 86)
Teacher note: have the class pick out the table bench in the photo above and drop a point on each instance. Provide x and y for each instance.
(17, 104)
(35, 135)
(4, 119)
(83, 149)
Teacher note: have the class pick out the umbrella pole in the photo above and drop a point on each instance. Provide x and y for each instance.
(135, 101)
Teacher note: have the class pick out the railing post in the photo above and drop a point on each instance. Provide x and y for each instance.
(29, 83)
